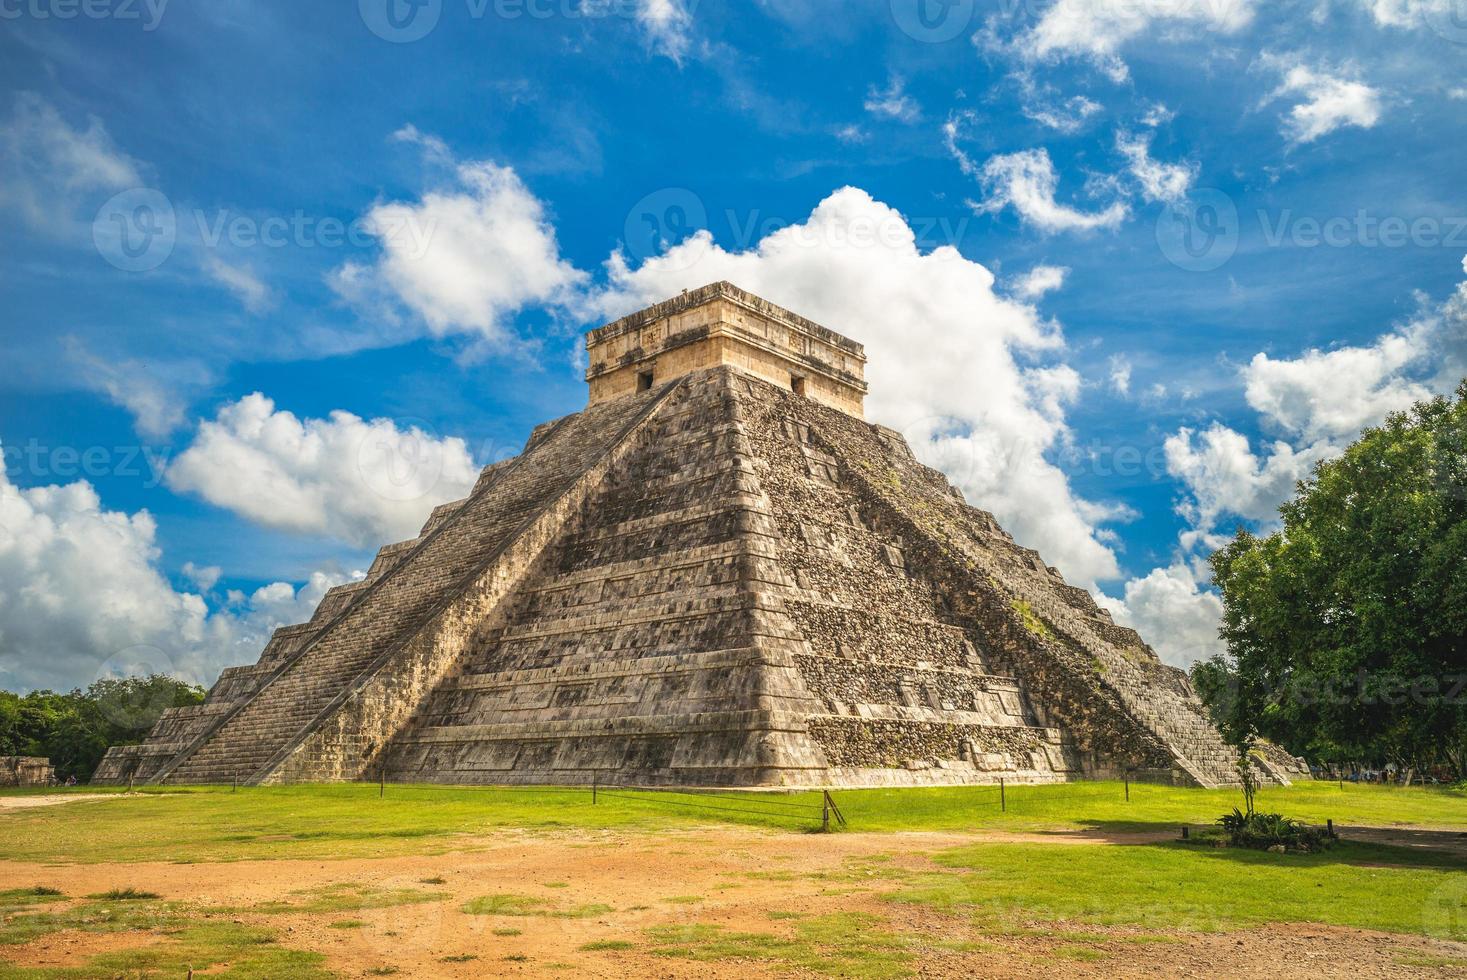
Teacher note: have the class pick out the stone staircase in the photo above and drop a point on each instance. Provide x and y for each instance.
(252, 739)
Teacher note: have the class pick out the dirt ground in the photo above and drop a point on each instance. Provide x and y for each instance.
(27, 802)
(732, 878)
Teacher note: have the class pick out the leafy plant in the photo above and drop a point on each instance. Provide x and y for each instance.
(1266, 831)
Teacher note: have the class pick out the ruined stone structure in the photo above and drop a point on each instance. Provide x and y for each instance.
(717, 574)
(23, 771)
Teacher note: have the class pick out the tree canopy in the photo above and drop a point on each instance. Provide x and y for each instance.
(1346, 629)
(75, 730)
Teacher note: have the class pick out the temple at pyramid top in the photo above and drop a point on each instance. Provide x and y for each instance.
(721, 324)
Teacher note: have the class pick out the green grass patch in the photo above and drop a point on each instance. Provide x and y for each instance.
(1199, 889)
(126, 895)
(342, 897)
(183, 944)
(525, 905)
(24, 898)
(844, 945)
(193, 824)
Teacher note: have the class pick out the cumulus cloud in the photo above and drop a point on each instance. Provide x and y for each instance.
(1039, 281)
(82, 597)
(50, 169)
(1327, 100)
(893, 102)
(1176, 611)
(931, 322)
(1164, 182)
(1027, 182)
(668, 25)
(363, 482)
(466, 257)
(1100, 30)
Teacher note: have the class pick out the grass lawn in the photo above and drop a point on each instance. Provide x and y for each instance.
(1199, 888)
(1086, 900)
(215, 824)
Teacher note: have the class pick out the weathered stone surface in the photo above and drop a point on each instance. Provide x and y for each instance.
(22, 770)
(725, 579)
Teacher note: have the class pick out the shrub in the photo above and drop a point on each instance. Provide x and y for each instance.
(1271, 831)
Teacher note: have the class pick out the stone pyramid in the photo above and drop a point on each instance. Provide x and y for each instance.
(717, 574)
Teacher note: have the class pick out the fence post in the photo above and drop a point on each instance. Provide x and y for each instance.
(1003, 796)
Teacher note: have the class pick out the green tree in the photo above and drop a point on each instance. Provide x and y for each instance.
(1347, 629)
(75, 730)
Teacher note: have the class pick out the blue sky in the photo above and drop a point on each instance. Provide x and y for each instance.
(1133, 266)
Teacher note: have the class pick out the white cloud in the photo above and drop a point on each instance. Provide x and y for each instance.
(893, 102)
(1223, 476)
(1329, 101)
(50, 170)
(668, 25)
(1120, 375)
(466, 258)
(1098, 30)
(1332, 395)
(931, 323)
(1044, 104)
(1027, 182)
(362, 482)
(1406, 13)
(1175, 611)
(1157, 114)
(240, 280)
(1166, 182)
(205, 577)
(82, 597)
(1039, 281)
(156, 392)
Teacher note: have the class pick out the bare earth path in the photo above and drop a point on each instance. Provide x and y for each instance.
(609, 887)
(27, 802)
